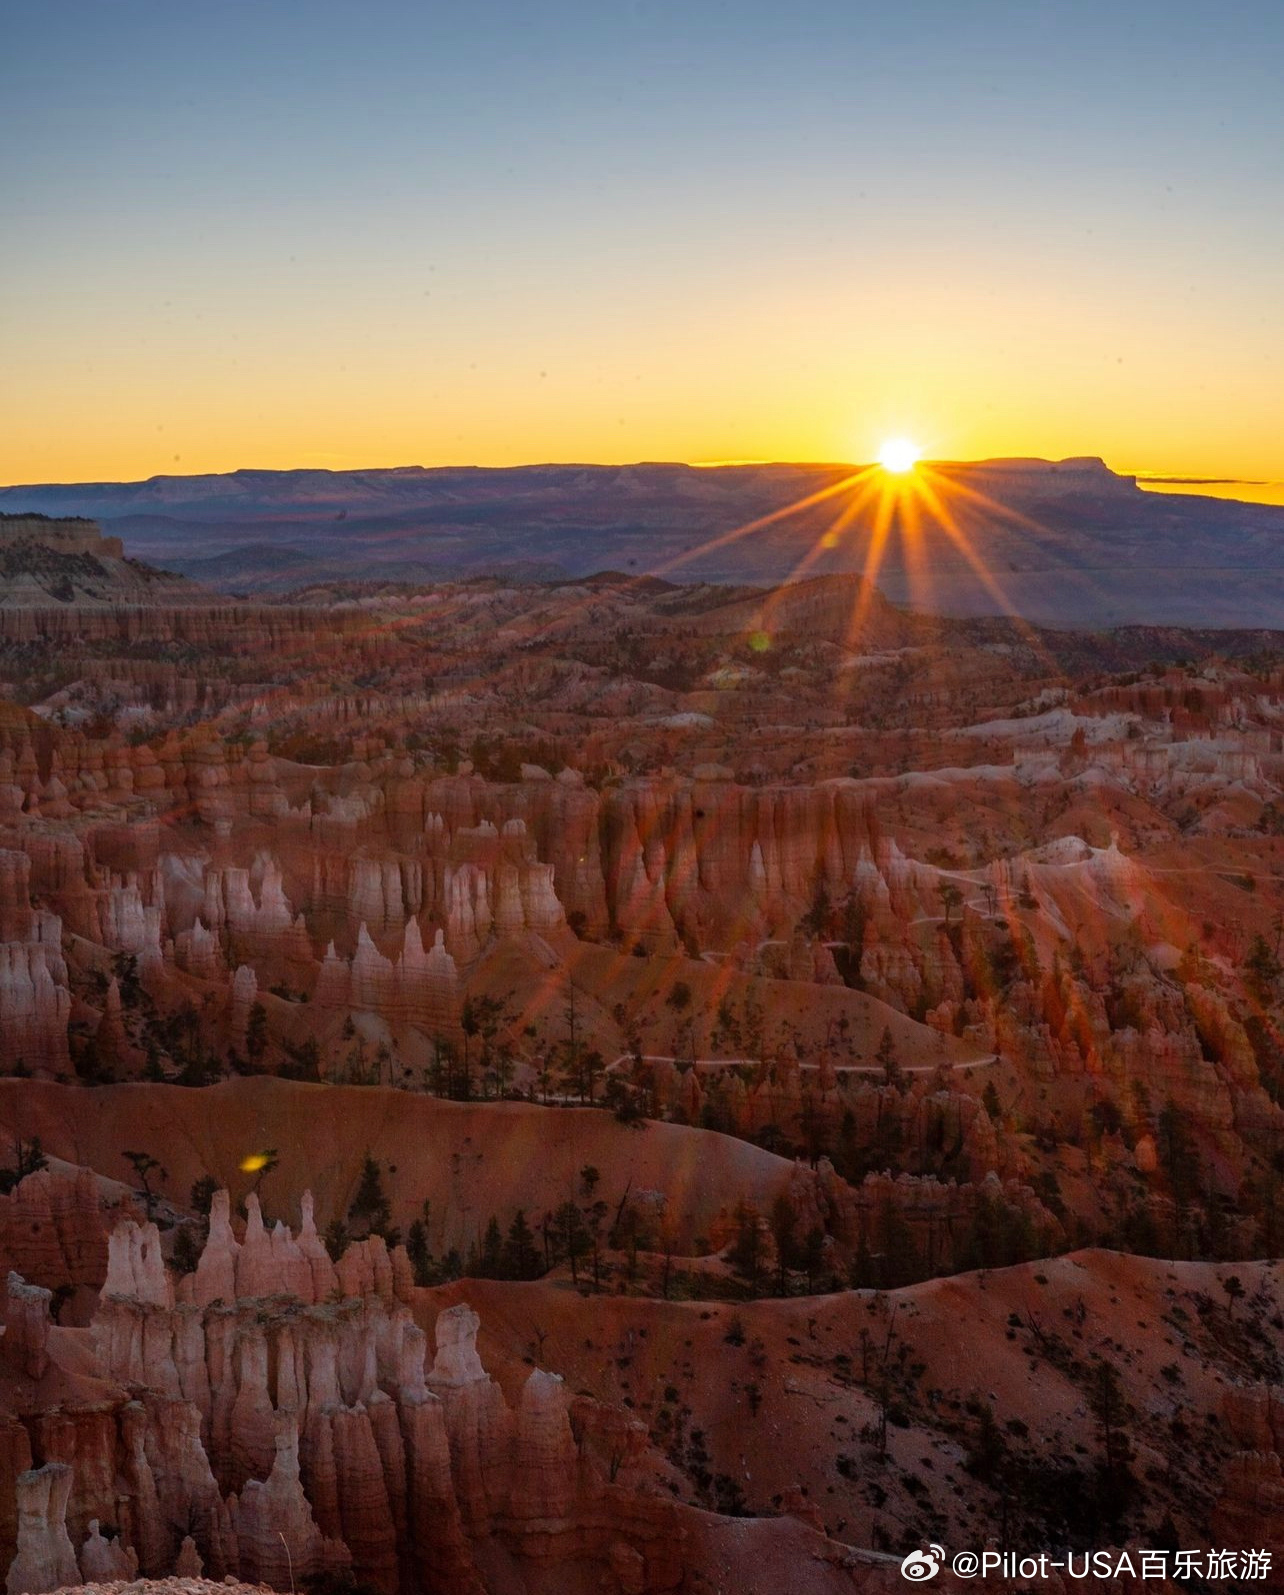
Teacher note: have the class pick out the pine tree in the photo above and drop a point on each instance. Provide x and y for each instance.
(521, 1255)
(571, 1235)
(256, 1032)
(491, 1261)
(747, 1250)
(1110, 1408)
(421, 1263)
(861, 1275)
(813, 1255)
(145, 1166)
(370, 1207)
(783, 1223)
(186, 1251)
(29, 1158)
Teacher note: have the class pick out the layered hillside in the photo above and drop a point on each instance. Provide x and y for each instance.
(1060, 542)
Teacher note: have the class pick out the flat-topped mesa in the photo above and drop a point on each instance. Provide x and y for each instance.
(56, 571)
(73, 535)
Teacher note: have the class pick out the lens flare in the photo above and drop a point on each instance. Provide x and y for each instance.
(898, 455)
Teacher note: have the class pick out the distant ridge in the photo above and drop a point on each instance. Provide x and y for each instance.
(1061, 542)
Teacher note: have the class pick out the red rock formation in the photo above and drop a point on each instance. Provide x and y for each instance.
(25, 1314)
(44, 1559)
(104, 1560)
(52, 1230)
(35, 1005)
(337, 1444)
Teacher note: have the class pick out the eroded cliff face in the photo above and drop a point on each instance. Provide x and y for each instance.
(278, 1412)
(52, 1230)
(946, 948)
(375, 889)
(1250, 1508)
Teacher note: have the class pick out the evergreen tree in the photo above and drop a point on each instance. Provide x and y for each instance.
(29, 1158)
(783, 1223)
(491, 1261)
(521, 1255)
(418, 1253)
(370, 1211)
(1110, 1408)
(202, 1195)
(186, 1252)
(256, 1033)
(336, 1239)
(862, 1274)
(1179, 1158)
(748, 1252)
(812, 1258)
(146, 1167)
(571, 1235)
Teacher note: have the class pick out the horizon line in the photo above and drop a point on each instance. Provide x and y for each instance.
(740, 463)
(1261, 492)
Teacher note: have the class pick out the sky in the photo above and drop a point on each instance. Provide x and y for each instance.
(262, 233)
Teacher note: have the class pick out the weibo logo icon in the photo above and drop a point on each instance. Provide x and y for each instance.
(921, 1565)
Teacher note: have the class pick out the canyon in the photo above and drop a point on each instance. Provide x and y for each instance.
(516, 1085)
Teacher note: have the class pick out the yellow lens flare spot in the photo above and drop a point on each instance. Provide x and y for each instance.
(898, 455)
(253, 1163)
(759, 641)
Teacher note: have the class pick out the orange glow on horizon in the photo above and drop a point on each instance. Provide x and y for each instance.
(896, 456)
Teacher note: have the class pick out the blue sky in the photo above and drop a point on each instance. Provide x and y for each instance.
(502, 231)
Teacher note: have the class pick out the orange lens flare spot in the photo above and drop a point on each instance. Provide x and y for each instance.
(253, 1163)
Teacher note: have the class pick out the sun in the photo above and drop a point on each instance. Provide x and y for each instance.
(898, 455)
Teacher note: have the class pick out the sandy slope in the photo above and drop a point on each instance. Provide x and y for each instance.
(667, 1360)
(468, 1160)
